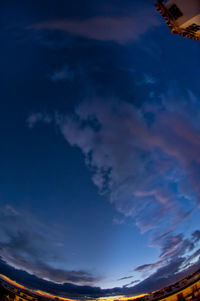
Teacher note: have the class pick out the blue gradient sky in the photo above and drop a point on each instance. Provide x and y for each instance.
(100, 141)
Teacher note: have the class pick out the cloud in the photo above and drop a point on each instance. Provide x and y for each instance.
(120, 29)
(196, 236)
(62, 74)
(138, 165)
(149, 79)
(11, 209)
(156, 281)
(45, 271)
(174, 262)
(134, 163)
(176, 245)
(125, 278)
(24, 246)
(25, 249)
(148, 168)
(33, 282)
(146, 267)
(118, 220)
(194, 258)
(131, 283)
(162, 277)
(37, 117)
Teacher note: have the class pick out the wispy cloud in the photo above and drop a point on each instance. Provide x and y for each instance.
(176, 251)
(138, 164)
(134, 162)
(149, 79)
(62, 74)
(120, 29)
(37, 117)
(24, 246)
(131, 283)
(125, 278)
(147, 267)
(149, 170)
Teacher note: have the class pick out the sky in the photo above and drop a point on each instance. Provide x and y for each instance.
(100, 143)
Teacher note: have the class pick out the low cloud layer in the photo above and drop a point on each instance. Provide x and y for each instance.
(24, 257)
(24, 246)
(97, 75)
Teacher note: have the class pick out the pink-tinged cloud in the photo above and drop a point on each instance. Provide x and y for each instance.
(136, 163)
(150, 172)
(117, 150)
(120, 29)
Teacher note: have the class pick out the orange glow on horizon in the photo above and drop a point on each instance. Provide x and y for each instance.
(48, 295)
(12, 281)
(121, 298)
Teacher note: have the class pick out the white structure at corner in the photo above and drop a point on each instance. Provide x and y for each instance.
(182, 16)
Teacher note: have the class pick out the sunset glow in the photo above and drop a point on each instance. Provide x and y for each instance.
(100, 149)
(14, 283)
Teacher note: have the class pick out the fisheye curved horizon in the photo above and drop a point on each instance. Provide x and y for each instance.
(100, 165)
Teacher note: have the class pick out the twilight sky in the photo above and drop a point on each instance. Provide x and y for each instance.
(100, 147)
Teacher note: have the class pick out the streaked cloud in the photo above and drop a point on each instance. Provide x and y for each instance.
(120, 29)
(135, 162)
(145, 168)
(62, 74)
(125, 278)
(37, 117)
(25, 246)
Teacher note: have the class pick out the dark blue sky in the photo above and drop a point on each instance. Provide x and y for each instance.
(100, 135)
